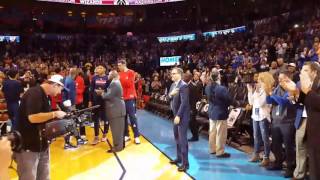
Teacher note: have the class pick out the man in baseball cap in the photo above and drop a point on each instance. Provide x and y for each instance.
(34, 111)
(57, 78)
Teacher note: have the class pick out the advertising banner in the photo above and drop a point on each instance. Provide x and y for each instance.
(170, 61)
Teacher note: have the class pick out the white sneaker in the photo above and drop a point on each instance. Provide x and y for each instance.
(126, 138)
(137, 140)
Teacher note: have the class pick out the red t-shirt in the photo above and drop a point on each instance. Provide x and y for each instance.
(127, 82)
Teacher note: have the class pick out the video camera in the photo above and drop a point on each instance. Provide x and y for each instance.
(68, 125)
(15, 139)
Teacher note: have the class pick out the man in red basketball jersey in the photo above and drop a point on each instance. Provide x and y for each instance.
(127, 78)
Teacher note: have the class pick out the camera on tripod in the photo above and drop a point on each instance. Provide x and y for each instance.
(68, 125)
(15, 139)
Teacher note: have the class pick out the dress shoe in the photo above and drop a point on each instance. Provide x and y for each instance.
(113, 150)
(175, 161)
(288, 173)
(110, 151)
(255, 158)
(297, 178)
(224, 155)
(265, 162)
(183, 168)
(193, 139)
(274, 167)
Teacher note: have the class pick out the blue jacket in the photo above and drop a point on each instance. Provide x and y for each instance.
(283, 111)
(219, 101)
(70, 93)
(180, 102)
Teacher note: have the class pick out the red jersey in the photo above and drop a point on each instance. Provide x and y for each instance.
(127, 82)
(79, 89)
(55, 101)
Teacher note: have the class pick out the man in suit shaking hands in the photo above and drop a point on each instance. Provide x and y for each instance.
(179, 96)
(115, 110)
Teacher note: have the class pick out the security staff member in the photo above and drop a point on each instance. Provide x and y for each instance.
(34, 111)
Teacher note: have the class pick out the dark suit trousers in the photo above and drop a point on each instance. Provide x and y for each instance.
(314, 161)
(180, 136)
(193, 124)
(283, 133)
(117, 128)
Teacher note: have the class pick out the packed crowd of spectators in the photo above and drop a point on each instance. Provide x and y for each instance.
(238, 57)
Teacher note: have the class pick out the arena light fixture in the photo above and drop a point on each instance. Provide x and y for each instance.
(99, 14)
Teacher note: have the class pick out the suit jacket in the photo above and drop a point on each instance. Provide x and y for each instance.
(312, 103)
(180, 102)
(114, 103)
(192, 95)
(219, 101)
(199, 90)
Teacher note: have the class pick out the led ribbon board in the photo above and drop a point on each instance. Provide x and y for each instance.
(10, 39)
(112, 2)
(187, 37)
(225, 32)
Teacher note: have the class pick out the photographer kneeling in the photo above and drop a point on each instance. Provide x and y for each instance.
(34, 111)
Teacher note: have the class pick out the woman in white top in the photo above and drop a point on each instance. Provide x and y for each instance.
(261, 112)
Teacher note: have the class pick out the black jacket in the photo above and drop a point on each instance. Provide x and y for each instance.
(312, 103)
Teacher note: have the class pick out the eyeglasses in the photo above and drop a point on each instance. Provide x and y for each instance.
(173, 73)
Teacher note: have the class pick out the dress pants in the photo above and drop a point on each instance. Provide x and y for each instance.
(283, 133)
(218, 132)
(301, 151)
(193, 124)
(180, 136)
(117, 128)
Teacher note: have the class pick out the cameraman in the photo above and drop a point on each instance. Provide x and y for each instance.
(34, 111)
(5, 156)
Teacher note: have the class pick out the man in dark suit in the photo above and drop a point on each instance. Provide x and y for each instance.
(115, 110)
(309, 95)
(195, 94)
(179, 96)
